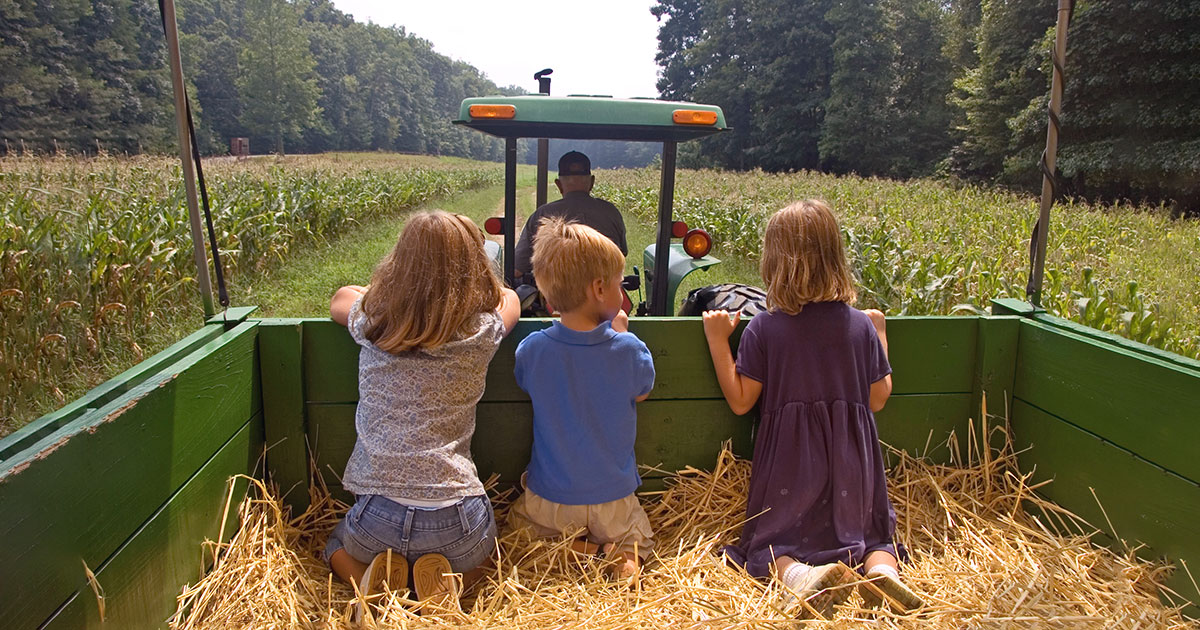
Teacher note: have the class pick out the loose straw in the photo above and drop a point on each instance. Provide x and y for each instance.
(986, 552)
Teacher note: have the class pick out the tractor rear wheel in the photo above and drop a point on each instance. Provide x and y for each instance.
(750, 300)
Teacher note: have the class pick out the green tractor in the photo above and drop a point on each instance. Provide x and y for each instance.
(603, 118)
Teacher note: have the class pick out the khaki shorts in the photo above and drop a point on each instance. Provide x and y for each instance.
(622, 521)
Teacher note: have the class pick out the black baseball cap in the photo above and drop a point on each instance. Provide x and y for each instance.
(574, 163)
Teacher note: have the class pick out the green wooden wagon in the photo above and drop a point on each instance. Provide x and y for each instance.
(126, 482)
(131, 478)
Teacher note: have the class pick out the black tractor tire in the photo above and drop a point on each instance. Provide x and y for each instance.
(731, 297)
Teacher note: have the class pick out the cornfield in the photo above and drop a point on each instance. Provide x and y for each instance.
(96, 266)
(930, 248)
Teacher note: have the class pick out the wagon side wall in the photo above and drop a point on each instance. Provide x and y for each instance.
(1116, 426)
(939, 383)
(127, 483)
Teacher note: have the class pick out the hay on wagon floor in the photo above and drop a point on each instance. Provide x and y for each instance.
(978, 559)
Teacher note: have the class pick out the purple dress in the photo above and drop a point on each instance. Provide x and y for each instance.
(817, 489)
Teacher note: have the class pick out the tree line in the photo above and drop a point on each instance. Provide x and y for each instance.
(300, 75)
(906, 88)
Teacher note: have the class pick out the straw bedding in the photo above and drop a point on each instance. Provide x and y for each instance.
(978, 559)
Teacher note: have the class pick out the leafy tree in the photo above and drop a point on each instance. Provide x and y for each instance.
(855, 135)
(1130, 121)
(276, 79)
(920, 116)
(1008, 77)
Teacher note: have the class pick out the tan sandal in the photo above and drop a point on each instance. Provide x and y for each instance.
(388, 570)
(434, 581)
(879, 589)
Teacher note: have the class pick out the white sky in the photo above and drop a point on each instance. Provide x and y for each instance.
(594, 47)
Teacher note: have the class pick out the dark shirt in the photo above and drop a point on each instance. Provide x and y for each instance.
(580, 207)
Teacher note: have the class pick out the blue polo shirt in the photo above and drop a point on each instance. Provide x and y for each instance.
(583, 386)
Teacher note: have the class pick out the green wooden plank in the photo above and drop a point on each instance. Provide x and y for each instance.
(232, 316)
(671, 434)
(1139, 403)
(1011, 306)
(996, 364)
(1119, 341)
(82, 491)
(929, 355)
(920, 424)
(330, 362)
(1143, 502)
(280, 342)
(143, 578)
(102, 394)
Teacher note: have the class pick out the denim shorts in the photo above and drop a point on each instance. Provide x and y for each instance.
(464, 532)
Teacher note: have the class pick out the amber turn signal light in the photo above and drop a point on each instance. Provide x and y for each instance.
(492, 111)
(693, 117)
(696, 243)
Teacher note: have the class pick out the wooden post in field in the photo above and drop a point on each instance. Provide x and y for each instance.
(185, 156)
(1042, 229)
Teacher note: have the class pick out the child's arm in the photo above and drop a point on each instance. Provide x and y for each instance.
(343, 299)
(881, 389)
(741, 392)
(509, 309)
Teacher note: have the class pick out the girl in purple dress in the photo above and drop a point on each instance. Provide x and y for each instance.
(818, 370)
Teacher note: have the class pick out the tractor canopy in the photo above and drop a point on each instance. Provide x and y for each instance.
(590, 118)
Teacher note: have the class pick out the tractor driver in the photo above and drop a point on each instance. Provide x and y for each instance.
(574, 181)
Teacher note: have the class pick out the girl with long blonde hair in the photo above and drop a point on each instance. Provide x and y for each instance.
(428, 324)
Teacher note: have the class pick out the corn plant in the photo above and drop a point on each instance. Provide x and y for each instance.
(96, 257)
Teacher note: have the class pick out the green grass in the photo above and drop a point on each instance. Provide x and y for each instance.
(302, 287)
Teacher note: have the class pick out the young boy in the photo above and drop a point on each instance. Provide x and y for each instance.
(584, 374)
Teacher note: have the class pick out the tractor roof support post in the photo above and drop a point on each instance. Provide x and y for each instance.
(543, 144)
(662, 246)
(543, 158)
(1042, 229)
(510, 210)
(185, 156)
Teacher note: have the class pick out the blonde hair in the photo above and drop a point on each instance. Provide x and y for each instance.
(804, 259)
(433, 285)
(567, 257)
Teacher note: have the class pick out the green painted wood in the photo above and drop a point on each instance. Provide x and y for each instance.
(1139, 403)
(143, 578)
(1014, 306)
(929, 355)
(1143, 502)
(330, 362)
(81, 492)
(995, 367)
(1011, 306)
(920, 424)
(1120, 342)
(280, 345)
(232, 316)
(671, 434)
(102, 394)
